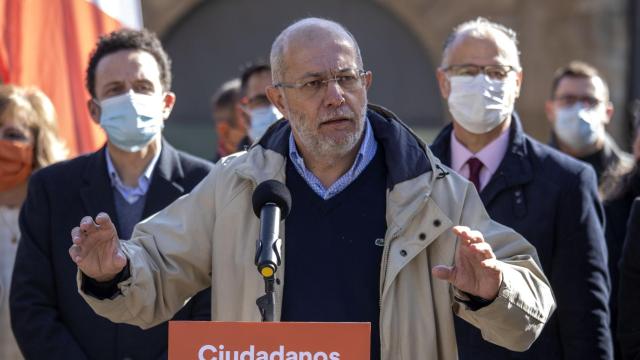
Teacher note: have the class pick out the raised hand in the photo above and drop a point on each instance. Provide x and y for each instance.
(476, 270)
(96, 248)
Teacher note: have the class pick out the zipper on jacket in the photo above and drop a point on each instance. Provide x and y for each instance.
(383, 272)
(385, 262)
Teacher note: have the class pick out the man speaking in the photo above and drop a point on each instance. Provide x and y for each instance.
(371, 234)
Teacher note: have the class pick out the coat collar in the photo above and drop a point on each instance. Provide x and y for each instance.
(405, 153)
(409, 163)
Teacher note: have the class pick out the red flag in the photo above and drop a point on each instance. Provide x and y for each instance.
(47, 43)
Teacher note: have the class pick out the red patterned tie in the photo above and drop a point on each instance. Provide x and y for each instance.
(475, 165)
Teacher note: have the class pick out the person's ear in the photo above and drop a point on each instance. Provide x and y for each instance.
(519, 78)
(276, 97)
(242, 117)
(168, 101)
(94, 110)
(222, 128)
(610, 110)
(368, 79)
(443, 83)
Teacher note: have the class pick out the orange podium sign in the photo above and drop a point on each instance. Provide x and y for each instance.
(213, 340)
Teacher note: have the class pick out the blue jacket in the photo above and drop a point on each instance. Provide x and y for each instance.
(49, 318)
(552, 200)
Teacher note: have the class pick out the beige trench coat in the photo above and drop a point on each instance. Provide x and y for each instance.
(207, 238)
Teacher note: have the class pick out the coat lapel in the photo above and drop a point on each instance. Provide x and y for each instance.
(96, 191)
(514, 171)
(441, 146)
(166, 179)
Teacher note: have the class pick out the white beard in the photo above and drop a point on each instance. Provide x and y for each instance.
(328, 146)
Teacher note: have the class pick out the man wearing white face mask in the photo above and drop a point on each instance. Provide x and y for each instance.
(254, 80)
(135, 175)
(548, 197)
(578, 110)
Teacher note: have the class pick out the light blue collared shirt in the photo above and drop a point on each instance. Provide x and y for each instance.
(131, 194)
(365, 154)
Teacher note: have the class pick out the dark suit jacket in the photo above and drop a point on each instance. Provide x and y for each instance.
(552, 200)
(629, 295)
(50, 320)
(617, 209)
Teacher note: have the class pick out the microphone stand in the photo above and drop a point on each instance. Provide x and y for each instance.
(267, 302)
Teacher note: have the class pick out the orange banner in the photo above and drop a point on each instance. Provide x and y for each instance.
(268, 341)
(46, 43)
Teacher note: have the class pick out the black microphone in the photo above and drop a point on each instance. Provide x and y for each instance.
(271, 203)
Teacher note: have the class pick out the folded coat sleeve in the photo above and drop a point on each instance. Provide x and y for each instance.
(525, 300)
(169, 259)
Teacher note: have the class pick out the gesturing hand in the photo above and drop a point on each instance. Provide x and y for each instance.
(96, 248)
(476, 270)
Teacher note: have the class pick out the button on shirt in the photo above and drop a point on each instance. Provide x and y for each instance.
(131, 194)
(491, 156)
(365, 154)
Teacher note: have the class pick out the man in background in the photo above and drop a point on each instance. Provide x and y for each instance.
(255, 79)
(578, 110)
(134, 176)
(230, 120)
(548, 197)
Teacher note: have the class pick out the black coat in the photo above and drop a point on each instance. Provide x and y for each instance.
(552, 200)
(617, 208)
(49, 318)
(629, 295)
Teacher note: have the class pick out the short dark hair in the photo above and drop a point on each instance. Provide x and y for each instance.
(575, 69)
(225, 99)
(249, 70)
(129, 39)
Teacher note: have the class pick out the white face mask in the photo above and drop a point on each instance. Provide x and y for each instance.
(131, 120)
(261, 118)
(478, 104)
(579, 127)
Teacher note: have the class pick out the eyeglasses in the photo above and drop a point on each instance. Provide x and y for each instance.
(493, 72)
(570, 100)
(348, 80)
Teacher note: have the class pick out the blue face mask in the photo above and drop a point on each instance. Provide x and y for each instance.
(131, 120)
(580, 127)
(261, 118)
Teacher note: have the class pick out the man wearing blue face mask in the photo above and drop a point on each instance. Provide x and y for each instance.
(254, 80)
(548, 197)
(578, 110)
(135, 175)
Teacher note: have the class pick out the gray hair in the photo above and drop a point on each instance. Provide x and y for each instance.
(306, 27)
(483, 28)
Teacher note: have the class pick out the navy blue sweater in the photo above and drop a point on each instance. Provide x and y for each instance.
(332, 256)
